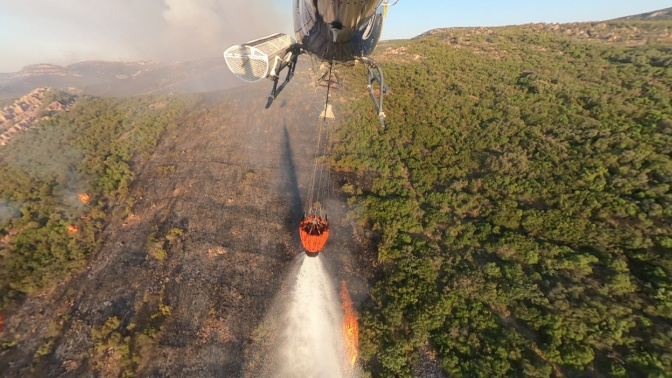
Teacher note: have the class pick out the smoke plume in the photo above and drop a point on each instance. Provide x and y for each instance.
(7, 212)
(67, 31)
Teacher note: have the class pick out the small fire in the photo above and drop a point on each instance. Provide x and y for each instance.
(73, 229)
(350, 326)
(85, 198)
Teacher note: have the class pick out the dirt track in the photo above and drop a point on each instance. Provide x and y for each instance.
(231, 177)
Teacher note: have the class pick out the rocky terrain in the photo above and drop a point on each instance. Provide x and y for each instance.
(26, 111)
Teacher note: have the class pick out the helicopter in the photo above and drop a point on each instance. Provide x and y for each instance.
(333, 31)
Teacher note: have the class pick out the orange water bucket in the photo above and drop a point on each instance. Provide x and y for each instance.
(314, 232)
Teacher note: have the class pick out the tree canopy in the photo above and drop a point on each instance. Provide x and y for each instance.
(521, 195)
(47, 230)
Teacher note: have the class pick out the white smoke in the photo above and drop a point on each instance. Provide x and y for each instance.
(197, 17)
(7, 212)
(68, 31)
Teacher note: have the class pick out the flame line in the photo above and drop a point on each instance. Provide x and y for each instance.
(350, 325)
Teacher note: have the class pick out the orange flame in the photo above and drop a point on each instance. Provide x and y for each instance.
(350, 326)
(85, 198)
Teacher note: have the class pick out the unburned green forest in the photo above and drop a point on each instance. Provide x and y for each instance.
(520, 194)
(47, 230)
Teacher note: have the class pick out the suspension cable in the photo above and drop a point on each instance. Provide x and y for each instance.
(317, 191)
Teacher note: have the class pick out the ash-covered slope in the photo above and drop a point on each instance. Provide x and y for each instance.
(184, 275)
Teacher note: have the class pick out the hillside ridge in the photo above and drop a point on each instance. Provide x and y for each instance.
(109, 78)
(619, 31)
(23, 114)
(659, 15)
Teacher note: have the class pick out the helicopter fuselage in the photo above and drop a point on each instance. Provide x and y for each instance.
(355, 24)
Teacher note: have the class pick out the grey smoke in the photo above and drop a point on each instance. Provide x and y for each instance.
(7, 212)
(67, 31)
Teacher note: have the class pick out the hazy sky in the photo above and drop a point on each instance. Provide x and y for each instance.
(68, 31)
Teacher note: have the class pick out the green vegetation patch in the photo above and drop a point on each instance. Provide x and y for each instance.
(47, 226)
(521, 190)
(118, 349)
(157, 247)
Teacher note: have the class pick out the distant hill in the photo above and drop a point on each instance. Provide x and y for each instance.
(103, 78)
(609, 31)
(629, 32)
(120, 78)
(663, 14)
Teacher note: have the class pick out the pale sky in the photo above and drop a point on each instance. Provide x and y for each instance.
(413, 17)
(69, 31)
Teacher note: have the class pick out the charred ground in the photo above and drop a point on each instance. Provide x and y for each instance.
(186, 272)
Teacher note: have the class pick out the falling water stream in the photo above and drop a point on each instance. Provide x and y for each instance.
(309, 327)
(313, 345)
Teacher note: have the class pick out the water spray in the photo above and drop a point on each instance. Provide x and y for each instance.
(306, 332)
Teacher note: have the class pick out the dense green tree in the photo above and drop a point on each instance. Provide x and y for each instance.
(521, 191)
